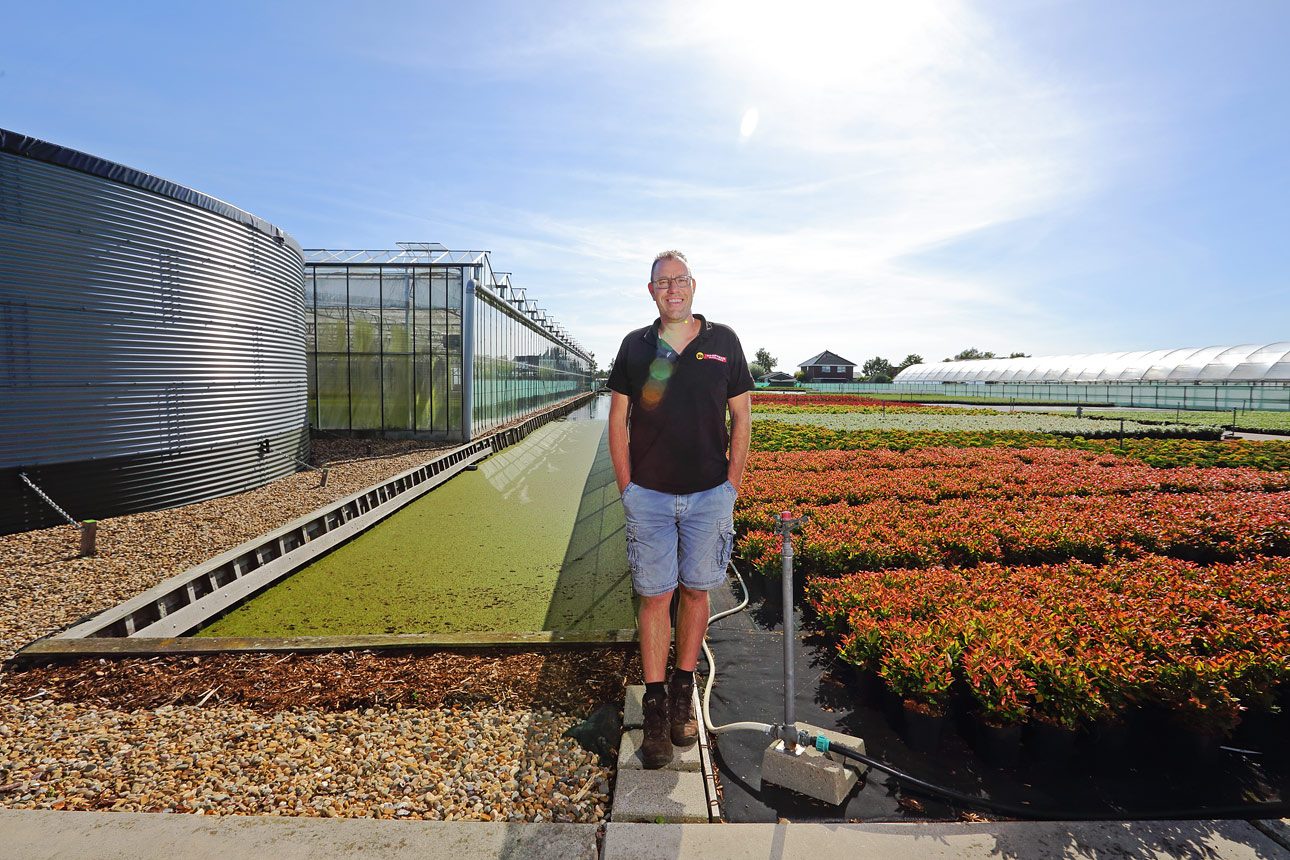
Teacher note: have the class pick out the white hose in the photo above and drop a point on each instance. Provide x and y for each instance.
(764, 728)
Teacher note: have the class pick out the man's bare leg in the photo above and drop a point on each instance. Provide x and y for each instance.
(691, 625)
(655, 620)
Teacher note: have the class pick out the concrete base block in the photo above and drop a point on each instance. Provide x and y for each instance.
(1017, 840)
(629, 754)
(824, 776)
(634, 708)
(1278, 829)
(45, 834)
(673, 797)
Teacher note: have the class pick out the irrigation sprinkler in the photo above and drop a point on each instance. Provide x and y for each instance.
(791, 760)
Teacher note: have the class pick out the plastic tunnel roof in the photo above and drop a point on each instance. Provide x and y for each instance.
(1245, 363)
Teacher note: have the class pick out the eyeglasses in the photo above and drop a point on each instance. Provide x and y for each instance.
(681, 282)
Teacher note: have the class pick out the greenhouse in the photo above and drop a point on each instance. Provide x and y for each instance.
(1249, 376)
(1249, 363)
(406, 342)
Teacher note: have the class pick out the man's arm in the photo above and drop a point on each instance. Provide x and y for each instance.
(740, 434)
(618, 406)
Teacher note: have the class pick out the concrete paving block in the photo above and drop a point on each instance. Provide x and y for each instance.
(633, 707)
(142, 836)
(653, 795)
(823, 776)
(1277, 828)
(1015, 840)
(629, 754)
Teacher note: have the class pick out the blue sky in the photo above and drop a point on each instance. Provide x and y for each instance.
(871, 178)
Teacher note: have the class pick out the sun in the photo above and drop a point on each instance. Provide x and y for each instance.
(813, 43)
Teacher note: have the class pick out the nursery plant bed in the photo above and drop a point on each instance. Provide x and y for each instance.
(1150, 779)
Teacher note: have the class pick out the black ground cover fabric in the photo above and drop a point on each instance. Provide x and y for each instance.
(748, 648)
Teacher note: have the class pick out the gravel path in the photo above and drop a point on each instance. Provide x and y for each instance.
(477, 737)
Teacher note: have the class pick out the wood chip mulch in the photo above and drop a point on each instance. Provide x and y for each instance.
(571, 681)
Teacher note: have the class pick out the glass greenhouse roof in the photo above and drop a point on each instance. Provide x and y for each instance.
(411, 254)
(495, 284)
(1245, 363)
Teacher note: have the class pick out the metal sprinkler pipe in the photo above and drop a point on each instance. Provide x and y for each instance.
(786, 524)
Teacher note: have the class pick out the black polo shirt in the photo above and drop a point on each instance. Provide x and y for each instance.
(677, 421)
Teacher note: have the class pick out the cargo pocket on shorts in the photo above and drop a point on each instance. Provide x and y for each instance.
(726, 545)
(633, 550)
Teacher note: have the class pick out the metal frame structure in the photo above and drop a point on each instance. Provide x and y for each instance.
(442, 329)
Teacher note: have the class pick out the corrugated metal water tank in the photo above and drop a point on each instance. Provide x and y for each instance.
(151, 340)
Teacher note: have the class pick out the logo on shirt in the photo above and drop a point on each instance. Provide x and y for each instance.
(702, 355)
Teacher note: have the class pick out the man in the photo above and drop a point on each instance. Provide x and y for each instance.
(678, 472)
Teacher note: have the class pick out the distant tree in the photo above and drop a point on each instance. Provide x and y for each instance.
(766, 360)
(1018, 355)
(910, 360)
(799, 375)
(971, 354)
(758, 370)
(877, 367)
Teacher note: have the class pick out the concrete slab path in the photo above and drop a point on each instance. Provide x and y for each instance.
(29, 834)
(26, 835)
(1193, 840)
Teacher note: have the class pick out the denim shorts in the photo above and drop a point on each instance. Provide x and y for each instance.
(679, 538)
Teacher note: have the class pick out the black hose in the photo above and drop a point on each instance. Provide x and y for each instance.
(1280, 809)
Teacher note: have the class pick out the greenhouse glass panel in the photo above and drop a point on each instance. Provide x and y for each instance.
(397, 400)
(333, 392)
(388, 344)
(365, 392)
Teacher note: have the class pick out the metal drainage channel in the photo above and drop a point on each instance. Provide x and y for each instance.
(157, 621)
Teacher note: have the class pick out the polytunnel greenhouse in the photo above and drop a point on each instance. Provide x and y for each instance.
(1249, 376)
(1249, 363)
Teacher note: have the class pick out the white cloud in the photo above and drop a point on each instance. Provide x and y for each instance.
(884, 132)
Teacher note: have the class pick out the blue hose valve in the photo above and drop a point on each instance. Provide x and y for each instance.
(822, 743)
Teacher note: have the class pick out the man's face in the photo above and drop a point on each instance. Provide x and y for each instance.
(672, 299)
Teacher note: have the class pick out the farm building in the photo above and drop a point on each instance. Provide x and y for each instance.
(828, 367)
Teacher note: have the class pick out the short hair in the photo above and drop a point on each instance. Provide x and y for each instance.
(669, 255)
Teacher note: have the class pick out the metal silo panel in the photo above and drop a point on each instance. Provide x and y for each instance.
(151, 346)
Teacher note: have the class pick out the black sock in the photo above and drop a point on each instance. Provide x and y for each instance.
(655, 688)
(682, 676)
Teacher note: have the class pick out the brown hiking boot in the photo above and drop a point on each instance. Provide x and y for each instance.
(656, 748)
(680, 695)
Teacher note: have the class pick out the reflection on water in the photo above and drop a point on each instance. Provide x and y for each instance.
(533, 540)
(510, 470)
(544, 451)
(597, 409)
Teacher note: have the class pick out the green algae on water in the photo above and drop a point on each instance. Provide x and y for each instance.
(533, 540)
